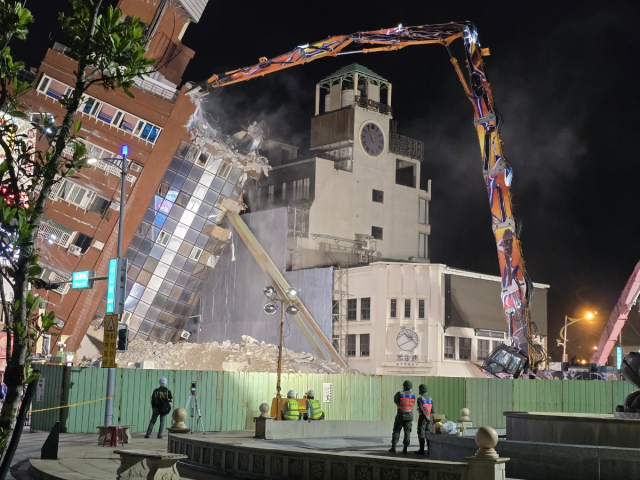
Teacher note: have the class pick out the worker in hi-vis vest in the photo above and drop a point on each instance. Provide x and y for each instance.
(406, 401)
(291, 409)
(314, 411)
(425, 409)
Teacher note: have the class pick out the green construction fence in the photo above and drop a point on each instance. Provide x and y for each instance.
(230, 400)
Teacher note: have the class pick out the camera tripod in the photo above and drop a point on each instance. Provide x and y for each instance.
(196, 407)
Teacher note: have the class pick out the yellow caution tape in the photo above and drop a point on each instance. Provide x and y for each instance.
(68, 406)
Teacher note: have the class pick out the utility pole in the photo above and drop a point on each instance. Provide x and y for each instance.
(118, 307)
(564, 344)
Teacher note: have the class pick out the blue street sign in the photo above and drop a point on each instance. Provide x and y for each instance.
(618, 357)
(111, 284)
(81, 280)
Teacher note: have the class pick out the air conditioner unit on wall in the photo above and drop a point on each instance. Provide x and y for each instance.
(74, 250)
(185, 335)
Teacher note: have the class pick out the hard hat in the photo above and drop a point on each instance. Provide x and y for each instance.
(311, 393)
(163, 381)
(422, 388)
(407, 385)
(291, 394)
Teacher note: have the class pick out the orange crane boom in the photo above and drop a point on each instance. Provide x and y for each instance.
(517, 289)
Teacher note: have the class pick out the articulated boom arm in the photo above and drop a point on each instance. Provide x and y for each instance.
(618, 318)
(516, 287)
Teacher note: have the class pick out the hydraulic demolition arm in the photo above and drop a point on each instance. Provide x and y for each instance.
(618, 318)
(517, 289)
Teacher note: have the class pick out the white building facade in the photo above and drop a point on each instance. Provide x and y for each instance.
(404, 319)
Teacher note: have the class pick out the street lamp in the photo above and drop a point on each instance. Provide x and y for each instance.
(111, 372)
(563, 332)
(291, 295)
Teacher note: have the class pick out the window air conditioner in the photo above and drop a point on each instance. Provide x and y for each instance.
(74, 250)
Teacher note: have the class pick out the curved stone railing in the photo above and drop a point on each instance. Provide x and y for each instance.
(261, 460)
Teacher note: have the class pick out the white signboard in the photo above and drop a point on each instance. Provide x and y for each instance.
(327, 392)
(40, 390)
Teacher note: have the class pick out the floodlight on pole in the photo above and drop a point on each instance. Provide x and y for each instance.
(292, 310)
(270, 308)
(292, 294)
(269, 291)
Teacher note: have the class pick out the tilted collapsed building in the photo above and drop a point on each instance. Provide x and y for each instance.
(179, 169)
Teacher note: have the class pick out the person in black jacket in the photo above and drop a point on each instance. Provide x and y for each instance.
(161, 403)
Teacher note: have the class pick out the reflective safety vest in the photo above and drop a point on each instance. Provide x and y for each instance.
(427, 405)
(292, 412)
(407, 402)
(316, 411)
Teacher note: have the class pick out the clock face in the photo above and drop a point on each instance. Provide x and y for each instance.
(372, 139)
(407, 339)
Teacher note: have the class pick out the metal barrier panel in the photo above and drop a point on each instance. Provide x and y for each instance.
(230, 400)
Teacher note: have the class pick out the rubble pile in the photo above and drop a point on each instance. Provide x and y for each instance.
(250, 355)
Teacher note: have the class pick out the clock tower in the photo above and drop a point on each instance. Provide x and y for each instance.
(380, 198)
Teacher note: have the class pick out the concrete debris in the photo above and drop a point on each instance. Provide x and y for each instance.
(241, 149)
(251, 355)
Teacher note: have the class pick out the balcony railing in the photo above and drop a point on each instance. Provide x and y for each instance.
(166, 93)
(369, 104)
(407, 147)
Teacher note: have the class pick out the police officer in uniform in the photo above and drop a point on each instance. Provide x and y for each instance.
(314, 411)
(161, 403)
(405, 400)
(425, 408)
(291, 409)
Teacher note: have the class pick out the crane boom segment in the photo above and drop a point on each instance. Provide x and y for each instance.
(618, 318)
(516, 288)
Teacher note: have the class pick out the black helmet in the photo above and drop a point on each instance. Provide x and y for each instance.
(407, 385)
(422, 388)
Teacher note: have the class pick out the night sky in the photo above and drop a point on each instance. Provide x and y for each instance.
(562, 78)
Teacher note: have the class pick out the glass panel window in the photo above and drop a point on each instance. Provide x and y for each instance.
(422, 245)
(365, 309)
(376, 232)
(420, 308)
(407, 308)
(450, 347)
(378, 196)
(364, 345)
(352, 309)
(483, 349)
(496, 343)
(464, 348)
(393, 310)
(422, 210)
(351, 345)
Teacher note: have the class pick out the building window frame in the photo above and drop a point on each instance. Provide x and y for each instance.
(352, 309)
(377, 196)
(365, 344)
(464, 348)
(351, 345)
(365, 308)
(377, 232)
(423, 243)
(423, 211)
(421, 308)
(449, 347)
(393, 308)
(407, 308)
(484, 349)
